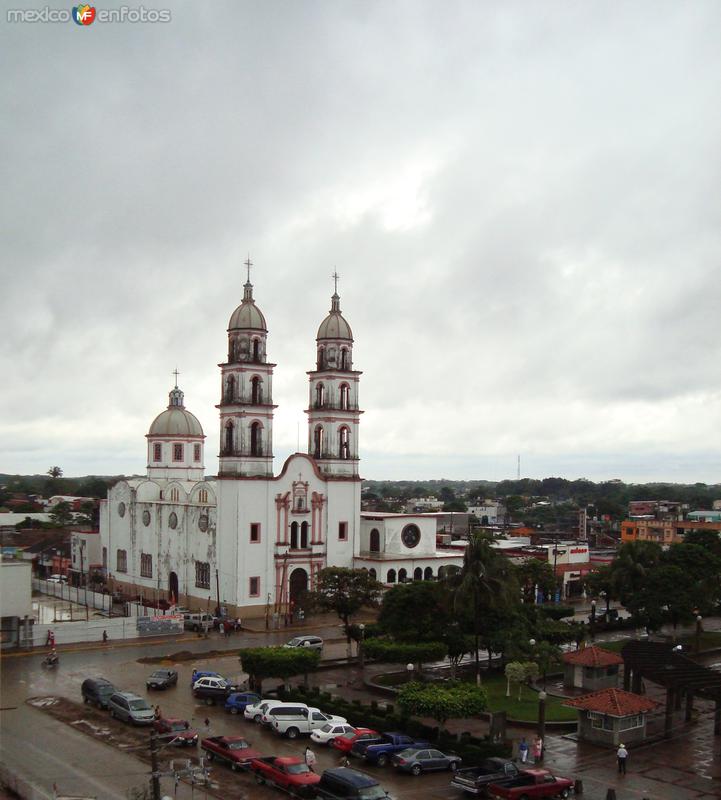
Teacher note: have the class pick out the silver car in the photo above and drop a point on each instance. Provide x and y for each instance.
(311, 642)
(131, 708)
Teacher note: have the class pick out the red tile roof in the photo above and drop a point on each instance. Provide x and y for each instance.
(614, 703)
(592, 657)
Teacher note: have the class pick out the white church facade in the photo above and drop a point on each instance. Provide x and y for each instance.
(249, 540)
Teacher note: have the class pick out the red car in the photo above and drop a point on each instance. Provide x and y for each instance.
(180, 728)
(344, 743)
(286, 772)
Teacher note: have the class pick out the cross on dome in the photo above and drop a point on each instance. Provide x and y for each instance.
(248, 263)
(176, 373)
(335, 277)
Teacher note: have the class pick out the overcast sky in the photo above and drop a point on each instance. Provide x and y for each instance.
(522, 201)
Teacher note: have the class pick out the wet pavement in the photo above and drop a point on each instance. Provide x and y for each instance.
(687, 766)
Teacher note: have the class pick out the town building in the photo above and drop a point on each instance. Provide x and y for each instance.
(665, 531)
(612, 716)
(249, 540)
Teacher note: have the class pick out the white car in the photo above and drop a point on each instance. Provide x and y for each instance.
(255, 712)
(57, 579)
(331, 731)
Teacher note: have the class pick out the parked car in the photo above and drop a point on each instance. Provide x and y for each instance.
(184, 735)
(476, 780)
(345, 742)
(255, 711)
(330, 731)
(162, 679)
(239, 701)
(97, 691)
(289, 709)
(380, 752)
(427, 760)
(198, 622)
(131, 708)
(201, 673)
(288, 773)
(529, 784)
(58, 579)
(233, 750)
(292, 721)
(343, 783)
(213, 690)
(313, 642)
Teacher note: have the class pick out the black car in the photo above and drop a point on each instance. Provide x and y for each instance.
(97, 691)
(343, 783)
(162, 678)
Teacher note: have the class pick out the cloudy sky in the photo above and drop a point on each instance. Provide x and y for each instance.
(521, 198)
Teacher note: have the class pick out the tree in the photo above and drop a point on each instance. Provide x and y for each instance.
(55, 472)
(277, 662)
(62, 514)
(630, 571)
(441, 703)
(415, 612)
(515, 673)
(709, 540)
(345, 591)
(600, 584)
(482, 583)
(535, 574)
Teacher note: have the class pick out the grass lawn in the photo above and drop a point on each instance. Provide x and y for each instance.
(708, 640)
(527, 708)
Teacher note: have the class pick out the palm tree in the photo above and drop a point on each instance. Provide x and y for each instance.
(55, 472)
(482, 582)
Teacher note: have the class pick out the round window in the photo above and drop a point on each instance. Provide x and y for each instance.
(173, 520)
(121, 509)
(411, 535)
(203, 522)
(146, 517)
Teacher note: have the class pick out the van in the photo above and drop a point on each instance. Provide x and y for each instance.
(131, 708)
(198, 622)
(97, 691)
(294, 719)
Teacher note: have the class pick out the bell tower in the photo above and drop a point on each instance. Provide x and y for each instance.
(246, 401)
(333, 413)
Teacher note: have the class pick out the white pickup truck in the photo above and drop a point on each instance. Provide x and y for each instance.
(292, 721)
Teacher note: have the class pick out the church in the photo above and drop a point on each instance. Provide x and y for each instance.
(248, 540)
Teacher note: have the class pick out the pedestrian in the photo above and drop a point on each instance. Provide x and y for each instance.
(621, 757)
(50, 641)
(105, 637)
(344, 761)
(207, 725)
(538, 749)
(156, 712)
(310, 758)
(237, 625)
(523, 750)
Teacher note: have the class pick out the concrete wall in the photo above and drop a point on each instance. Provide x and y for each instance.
(15, 588)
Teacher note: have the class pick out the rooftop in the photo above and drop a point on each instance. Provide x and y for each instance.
(614, 703)
(592, 657)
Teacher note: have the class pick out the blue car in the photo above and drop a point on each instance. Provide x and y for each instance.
(237, 702)
(198, 674)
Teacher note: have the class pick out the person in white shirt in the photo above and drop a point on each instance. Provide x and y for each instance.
(621, 756)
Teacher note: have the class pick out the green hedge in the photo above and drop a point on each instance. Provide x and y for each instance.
(399, 653)
(471, 749)
(557, 611)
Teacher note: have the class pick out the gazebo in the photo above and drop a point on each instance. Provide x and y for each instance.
(611, 716)
(591, 668)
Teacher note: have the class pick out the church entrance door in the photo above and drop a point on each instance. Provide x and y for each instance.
(298, 586)
(173, 588)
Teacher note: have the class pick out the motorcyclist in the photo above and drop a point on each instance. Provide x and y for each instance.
(52, 658)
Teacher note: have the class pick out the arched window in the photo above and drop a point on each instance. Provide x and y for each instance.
(345, 396)
(304, 534)
(344, 359)
(256, 391)
(256, 447)
(318, 442)
(372, 573)
(203, 496)
(428, 574)
(293, 535)
(321, 358)
(375, 541)
(417, 574)
(319, 396)
(344, 443)
(391, 576)
(230, 389)
(256, 349)
(402, 576)
(229, 439)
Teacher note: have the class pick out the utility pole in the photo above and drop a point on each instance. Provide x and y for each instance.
(217, 590)
(155, 779)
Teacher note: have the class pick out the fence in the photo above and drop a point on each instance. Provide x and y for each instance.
(87, 597)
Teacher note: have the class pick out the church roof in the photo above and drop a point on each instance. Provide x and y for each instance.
(176, 420)
(247, 315)
(334, 325)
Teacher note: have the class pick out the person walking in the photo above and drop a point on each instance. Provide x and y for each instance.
(523, 750)
(621, 757)
(105, 637)
(538, 749)
(156, 712)
(310, 759)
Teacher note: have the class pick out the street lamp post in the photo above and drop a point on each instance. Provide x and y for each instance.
(541, 719)
(593, 620)
(699, 620)
(410, 668)
(361, 655)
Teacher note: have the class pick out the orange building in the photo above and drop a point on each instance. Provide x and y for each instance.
(663, 531)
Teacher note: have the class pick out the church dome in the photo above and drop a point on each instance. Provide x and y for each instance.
(176, 420)
(247, 315)
(334, 325)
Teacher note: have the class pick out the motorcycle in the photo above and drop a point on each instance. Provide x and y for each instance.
(50, 662)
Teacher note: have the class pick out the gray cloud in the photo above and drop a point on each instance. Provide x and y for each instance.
(522, 202)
